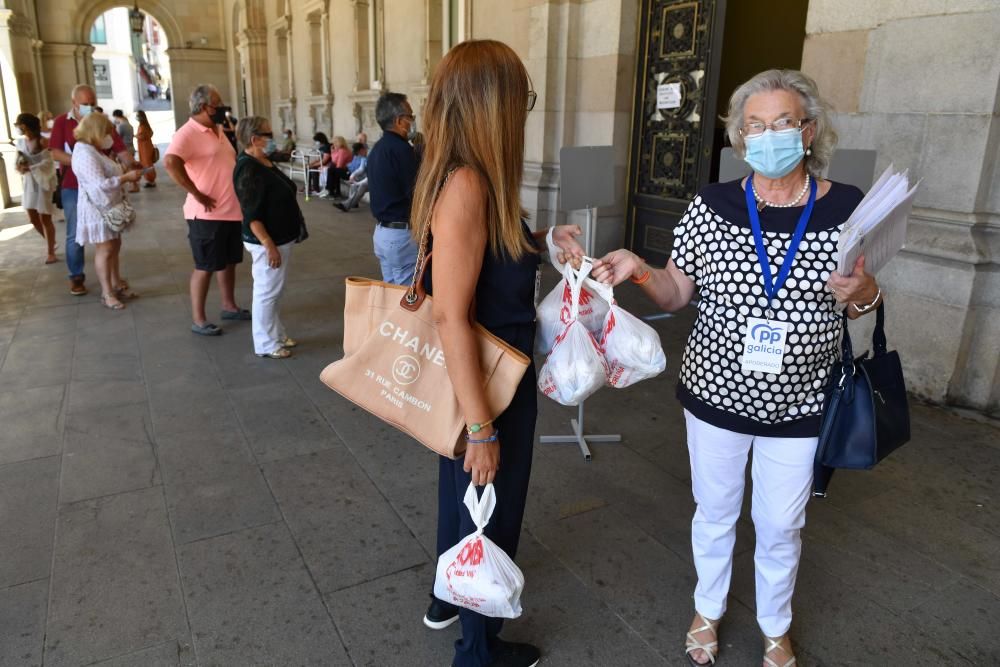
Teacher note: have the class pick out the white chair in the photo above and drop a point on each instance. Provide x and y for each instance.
(299, 163)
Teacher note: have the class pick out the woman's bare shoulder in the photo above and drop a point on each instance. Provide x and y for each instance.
(462, 199)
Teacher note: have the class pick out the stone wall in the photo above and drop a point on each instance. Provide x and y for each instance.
(919, 82)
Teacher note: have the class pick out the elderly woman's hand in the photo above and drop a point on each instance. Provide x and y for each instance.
(616, 267)
(859, 287)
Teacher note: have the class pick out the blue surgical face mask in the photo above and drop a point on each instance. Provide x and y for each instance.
(271, 147)
(774, 154)
(85, 109)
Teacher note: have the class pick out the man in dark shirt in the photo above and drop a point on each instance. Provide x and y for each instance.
(392, 174)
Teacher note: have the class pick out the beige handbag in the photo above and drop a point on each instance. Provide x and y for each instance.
(394, 366)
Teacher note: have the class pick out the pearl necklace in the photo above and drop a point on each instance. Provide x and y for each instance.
(762, 203)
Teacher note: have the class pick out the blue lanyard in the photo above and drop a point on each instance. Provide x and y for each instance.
(771, 286)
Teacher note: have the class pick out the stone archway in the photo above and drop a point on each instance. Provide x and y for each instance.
(194, 57)
(163, 15)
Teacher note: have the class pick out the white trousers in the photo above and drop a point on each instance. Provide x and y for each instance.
(782, 473)
(268, 283)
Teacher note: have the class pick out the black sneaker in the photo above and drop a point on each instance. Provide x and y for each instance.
(339, 205)
(512, 654)
(440, 615)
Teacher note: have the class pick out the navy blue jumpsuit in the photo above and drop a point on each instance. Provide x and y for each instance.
(505, 306)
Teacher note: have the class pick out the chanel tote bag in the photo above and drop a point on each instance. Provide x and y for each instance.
(394, 365)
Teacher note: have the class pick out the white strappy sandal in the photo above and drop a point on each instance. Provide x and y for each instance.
(711, 648)
(773, 644)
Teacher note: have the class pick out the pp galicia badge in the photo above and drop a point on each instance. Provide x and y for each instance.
(764, 346)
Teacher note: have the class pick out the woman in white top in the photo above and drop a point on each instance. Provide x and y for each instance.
(35, 164)
(100, 181)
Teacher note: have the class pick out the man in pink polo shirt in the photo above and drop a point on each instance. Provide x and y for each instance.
(201, 160)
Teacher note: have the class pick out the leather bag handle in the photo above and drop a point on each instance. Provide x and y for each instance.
(878, 335)
(414, 297)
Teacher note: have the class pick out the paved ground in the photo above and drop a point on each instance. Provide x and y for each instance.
(167, 499)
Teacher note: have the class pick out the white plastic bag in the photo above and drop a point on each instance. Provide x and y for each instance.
(476, 573)
(575, 368)
(553, 312)
(631, 347)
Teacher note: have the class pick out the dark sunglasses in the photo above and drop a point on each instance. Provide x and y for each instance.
(532, 98)
(269, 135)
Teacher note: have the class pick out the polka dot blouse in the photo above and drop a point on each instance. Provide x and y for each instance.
(714, 247)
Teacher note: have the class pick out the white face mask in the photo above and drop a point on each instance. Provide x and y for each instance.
(107, 142)
(49, 124)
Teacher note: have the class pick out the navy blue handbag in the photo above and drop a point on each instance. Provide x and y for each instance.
(865, 413)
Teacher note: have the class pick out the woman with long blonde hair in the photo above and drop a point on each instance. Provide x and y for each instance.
(466, 205)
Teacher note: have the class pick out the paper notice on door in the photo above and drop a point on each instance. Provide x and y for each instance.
(668, 96)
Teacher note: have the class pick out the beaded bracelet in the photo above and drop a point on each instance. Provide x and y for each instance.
(493, 438)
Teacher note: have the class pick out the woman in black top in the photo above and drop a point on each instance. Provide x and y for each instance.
(272, 222)
(322, 146)
(762, 253)
(467, 201)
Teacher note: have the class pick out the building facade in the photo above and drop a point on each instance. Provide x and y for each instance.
(131, 71)
(916, 82)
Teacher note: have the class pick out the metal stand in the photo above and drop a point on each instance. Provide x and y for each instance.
(577, 424)
(578, 437)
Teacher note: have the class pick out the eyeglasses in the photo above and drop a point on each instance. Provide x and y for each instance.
(757, 128)
(408, 116)
(532, 98)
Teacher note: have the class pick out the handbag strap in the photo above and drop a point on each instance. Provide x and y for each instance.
(878, 335)
(416, 294)
(846, 352)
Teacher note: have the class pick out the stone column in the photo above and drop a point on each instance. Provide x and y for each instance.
(20, 92)
(584, 79)
(362, 51)
(252, 48)
(546, 56)
(65, 65)
(188, 68)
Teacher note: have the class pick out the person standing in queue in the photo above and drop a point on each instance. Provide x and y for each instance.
(272, 223)
(467, 206)
(61, 145)
(201, 160)
(392, 172)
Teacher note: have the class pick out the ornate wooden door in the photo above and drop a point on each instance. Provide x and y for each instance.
(680, 43)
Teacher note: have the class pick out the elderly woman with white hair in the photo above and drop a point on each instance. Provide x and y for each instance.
(272, 222)
(762, 253)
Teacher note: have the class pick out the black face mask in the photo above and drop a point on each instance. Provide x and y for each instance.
(220, 114)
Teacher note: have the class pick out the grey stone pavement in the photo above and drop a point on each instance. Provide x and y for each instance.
(167, 499)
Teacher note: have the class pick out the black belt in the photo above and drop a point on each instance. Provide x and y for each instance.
(394, 225)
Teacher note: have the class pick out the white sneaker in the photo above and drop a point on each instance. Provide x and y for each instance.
(323, 195)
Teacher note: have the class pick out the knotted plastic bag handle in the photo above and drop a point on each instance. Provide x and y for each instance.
(480, 508)
(575, 278)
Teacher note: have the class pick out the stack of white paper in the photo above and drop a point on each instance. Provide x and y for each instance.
(877, 227)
